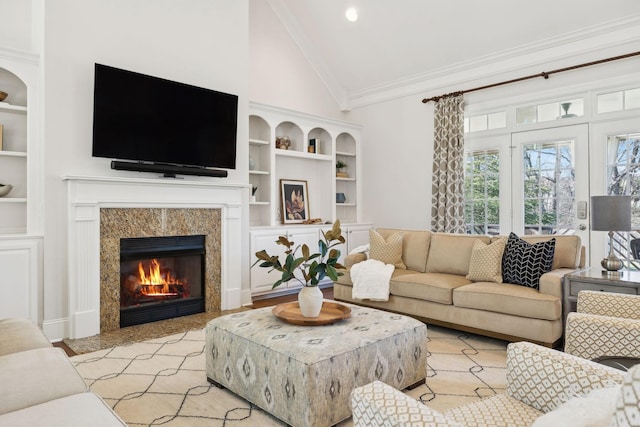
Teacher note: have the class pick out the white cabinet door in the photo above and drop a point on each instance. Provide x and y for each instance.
(262, 279)
(19, 264)
(358, 236)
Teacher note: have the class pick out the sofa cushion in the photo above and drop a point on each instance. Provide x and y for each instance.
(508, 299)
(523, 263)
(37, 376)
(20, 335)
(451, 253)
(436, 287)
(387, 250)
(415, 247)
(78, 410)
(486, 261)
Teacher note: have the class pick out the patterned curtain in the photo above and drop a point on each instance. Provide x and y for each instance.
(447, 207)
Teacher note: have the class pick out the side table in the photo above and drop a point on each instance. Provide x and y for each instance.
(627, 282)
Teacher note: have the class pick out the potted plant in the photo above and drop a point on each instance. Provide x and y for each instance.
(340, 165)
(309, 269)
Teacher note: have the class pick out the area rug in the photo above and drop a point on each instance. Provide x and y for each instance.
(162, 381)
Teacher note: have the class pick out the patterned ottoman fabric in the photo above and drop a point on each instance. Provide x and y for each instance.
(304, 374)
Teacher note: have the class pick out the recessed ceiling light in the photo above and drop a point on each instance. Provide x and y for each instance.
(352, 14)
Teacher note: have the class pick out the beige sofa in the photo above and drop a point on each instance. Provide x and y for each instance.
(40, 385)
(434, 287)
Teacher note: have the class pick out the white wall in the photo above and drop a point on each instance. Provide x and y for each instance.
(15, 31)
(280, 75)
(200, 42)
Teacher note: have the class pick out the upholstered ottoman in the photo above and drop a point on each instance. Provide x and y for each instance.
(304, 375)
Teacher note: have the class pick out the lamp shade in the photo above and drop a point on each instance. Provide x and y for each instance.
(611, 213)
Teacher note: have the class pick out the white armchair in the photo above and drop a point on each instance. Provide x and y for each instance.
(605, 324)
(538, 380)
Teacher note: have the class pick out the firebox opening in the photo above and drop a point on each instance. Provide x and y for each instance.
(161, 278)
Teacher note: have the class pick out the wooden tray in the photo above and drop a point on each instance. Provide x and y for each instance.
(331, 312)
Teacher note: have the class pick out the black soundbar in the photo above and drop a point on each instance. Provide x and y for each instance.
(169, 171)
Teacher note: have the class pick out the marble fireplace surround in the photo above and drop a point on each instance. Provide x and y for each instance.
(157, 207)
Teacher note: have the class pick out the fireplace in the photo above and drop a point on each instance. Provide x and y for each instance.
(161, 278)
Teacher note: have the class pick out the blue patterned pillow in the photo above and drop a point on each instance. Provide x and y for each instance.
(523, 263)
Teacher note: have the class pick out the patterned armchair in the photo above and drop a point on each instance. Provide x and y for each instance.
(606, 324)
(538, 380)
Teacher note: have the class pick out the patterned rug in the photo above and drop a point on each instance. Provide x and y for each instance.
(163, 382)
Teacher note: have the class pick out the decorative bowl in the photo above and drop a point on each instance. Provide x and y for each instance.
(3, 96)
(5, 189)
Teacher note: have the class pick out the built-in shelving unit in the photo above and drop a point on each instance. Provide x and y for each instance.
(13, 158)
(22, 167)
(334, 140)
(316, 143)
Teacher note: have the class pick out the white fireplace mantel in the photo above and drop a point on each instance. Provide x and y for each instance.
(87, 195)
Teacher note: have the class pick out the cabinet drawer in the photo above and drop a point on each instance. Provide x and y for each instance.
(576, 287)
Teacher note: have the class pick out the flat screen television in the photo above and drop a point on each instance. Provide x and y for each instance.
(142, 118)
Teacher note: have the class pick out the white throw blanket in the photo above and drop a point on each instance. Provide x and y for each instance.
(371, 280)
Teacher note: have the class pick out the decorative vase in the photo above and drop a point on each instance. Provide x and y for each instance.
(310, 301)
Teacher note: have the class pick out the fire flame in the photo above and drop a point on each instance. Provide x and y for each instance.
(155, 283)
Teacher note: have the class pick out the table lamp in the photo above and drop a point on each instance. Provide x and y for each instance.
(611, 213)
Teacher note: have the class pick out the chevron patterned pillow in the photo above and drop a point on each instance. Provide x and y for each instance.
(524, 263)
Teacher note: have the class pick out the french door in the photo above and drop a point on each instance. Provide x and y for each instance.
(615, 170)
(550, 181)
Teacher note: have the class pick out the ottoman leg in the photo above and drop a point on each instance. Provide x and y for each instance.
(416, 384)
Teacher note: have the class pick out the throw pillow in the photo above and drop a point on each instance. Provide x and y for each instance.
(593, 410)
(524, 263)
(486, 261)
(388, 251)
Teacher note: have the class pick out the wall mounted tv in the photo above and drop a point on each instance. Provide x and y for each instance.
(158, 125)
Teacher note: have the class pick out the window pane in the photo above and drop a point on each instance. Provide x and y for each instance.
(572, 108)
(478, 123)
(632, 99)
(549, 187)
(526, 115)
(482, 192)
(547, 112)
(610, 102)
(623, 165)
(497, 120)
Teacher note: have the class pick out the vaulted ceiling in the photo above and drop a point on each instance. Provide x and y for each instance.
(405, 43)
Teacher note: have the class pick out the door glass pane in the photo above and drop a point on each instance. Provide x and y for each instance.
(482, 192)
(549, 188)
(623, 178)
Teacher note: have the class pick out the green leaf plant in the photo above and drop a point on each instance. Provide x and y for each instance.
(311, 268)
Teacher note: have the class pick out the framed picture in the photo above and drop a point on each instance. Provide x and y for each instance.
(295, 201)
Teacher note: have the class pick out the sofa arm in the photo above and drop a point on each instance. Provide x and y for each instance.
(544, 378)
(590, 336)
(551, 281)
(379, 405)
(354, 259)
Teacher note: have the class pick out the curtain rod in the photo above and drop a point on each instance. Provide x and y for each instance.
(544, 74)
